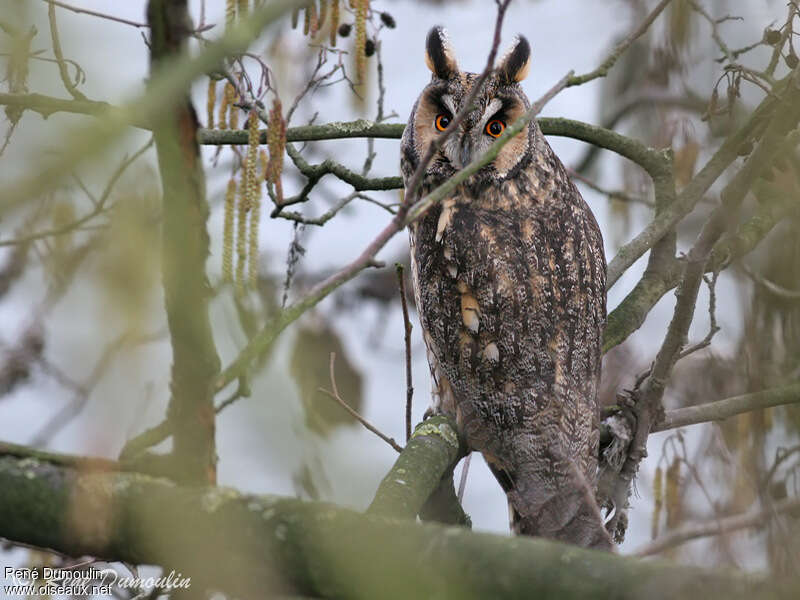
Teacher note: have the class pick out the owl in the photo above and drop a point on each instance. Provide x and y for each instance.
(509, 280)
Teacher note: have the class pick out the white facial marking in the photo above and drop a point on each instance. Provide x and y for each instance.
(447, 100)
(495, 105)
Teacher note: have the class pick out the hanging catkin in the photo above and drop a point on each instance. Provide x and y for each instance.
(334, 20)
(227, 234)
(230, 13)
(211, 102)
(276, 142)
(361, 7)
(227, 97)
(313, 20)
(253, 197)
(658, 501)
(323, 12)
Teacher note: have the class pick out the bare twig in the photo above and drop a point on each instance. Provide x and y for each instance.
(648, 406)
(99, 205)
(82, 394)
(335, 395)
(401, 282)
(62, 66)
(611, 194)
(86, 11)
(773, 288)
(722, 409)
(753, 518)
(462, 484)
(713, 23)
(620, 48)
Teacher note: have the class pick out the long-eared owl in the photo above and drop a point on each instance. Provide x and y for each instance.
(509, 278)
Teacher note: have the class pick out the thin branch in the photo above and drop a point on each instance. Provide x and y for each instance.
(401, 282)
(165, 89)
(462, 484)
(62, 66)
(335, 130)
(723, 409)
(773, 206)
(86, 11)
(713, 23)
(620, 48)
(773, 288)
(82, 394)
(611, 194)
(752, 518)
(335, 396)
(318, 221)
(689, 196)
(648, 406)
(99, 205)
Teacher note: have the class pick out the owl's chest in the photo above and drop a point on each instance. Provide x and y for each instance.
(469, 243)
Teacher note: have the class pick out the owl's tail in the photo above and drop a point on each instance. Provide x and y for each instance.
(557, 505)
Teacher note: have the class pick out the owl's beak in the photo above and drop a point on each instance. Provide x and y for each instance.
(465, 154)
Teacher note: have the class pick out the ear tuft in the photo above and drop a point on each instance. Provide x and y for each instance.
(439, 55)
(516, 62)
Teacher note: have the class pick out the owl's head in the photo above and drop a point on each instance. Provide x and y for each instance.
(500, 103)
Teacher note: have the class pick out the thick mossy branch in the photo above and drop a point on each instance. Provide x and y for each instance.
(255, 546)
(429, 455)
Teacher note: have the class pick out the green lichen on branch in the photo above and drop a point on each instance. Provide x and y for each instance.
(429, 456)
(257, 546)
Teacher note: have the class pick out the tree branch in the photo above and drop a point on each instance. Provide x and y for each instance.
(648, 405)
(429, 455)
(752, 518)
(163, 92)
(185, 247)
(255, 545)
(722, 409)
(620, 48)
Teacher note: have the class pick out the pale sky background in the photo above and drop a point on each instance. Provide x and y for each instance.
(260, 439)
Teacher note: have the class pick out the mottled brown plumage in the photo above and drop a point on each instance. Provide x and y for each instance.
(509, 277)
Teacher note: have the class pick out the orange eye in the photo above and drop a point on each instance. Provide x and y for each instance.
(442, 121)
(495, 127)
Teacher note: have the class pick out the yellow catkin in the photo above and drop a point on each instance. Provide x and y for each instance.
(658, 501)
(276, 142)
(227, 98)
(230, 13)
(263, 162)
(334, 20)
(306, 21)
(323, 12)
(295, 17)
(233, 112)
(255, 218)
(672, 493)
(211, 102)
(227, 233)
(361, 39)
(241, 230)
(313, 20)
(243, 8)
(253, 196)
